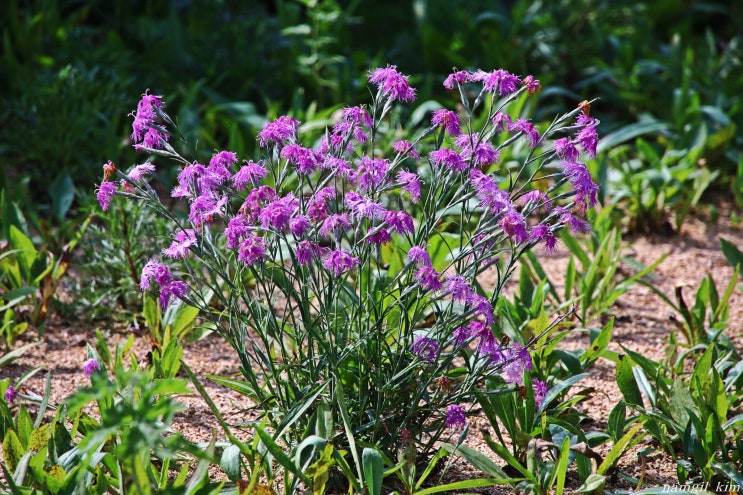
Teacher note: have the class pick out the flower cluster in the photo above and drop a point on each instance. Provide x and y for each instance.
(328, 217)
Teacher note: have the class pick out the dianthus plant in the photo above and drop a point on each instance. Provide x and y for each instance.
(345, 274)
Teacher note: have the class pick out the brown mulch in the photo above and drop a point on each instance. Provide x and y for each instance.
(643, 323)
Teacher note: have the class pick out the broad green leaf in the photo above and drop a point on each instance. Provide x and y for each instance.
(562, 465)
(24, 426)
(12, 449)
(626, 381)
(373, 470)
(27, 252)
(617, 421)
(730, 470)
(11, 215)
(62, 192)
(556, 389)
(593, 484)
(618, 449)
(629, 132)
(467, 484)
(39, 438)
(17, 296)
(476, 459)
(9, 357)
(646, 388)
(230, 462)
(599, 344)
(183, 320)
(732, 253)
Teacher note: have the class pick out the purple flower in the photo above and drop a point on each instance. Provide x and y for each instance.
(528, 129)
(407, 148)
(299, 225)
(339, 166)
(457, 78)
(574, 223)
(237, 228)
(205, 207)
(419, 256)
(448, 159)
(459, 288)
(371, 173)
(278, 131)
(460, 336)
(317, 210)
(10, 394)
(540, 390)
(580, 179)
(502, 121)
(400, 221)
(306, 160)
(106, 192)
(536, 198)
(362, 207)
(252, 250)
(411, 184)
(276, 214)
(184, 239)
(339, 262)
(482, 307)
(187, 180)
(137, 173)
(357, 115)
(456, 417)
(588, 140)
(515, 360)
(514, 225)
(426, 349)
(174, 288)
(255, 200)
(307, 251)
(483, 155)
(499, 81)
(90, 366)
(491, 197)
(162, 275)
(565, 149)
(221, 163)
(153, 270)
(379, 236)
(153, 138)
(487, 345)
(249, 173)
(144, 128)
(429, 279)
(542, 232)
(392, 84)
(334, 224)
(446, 119)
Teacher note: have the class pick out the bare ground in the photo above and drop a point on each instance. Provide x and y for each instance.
(643, 324)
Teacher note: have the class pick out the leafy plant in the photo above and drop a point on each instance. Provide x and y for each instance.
(129, 447)
(115, 248)
(324, 311)
(689, 417)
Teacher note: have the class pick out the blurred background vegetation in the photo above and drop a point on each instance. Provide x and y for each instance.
(668, 74)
